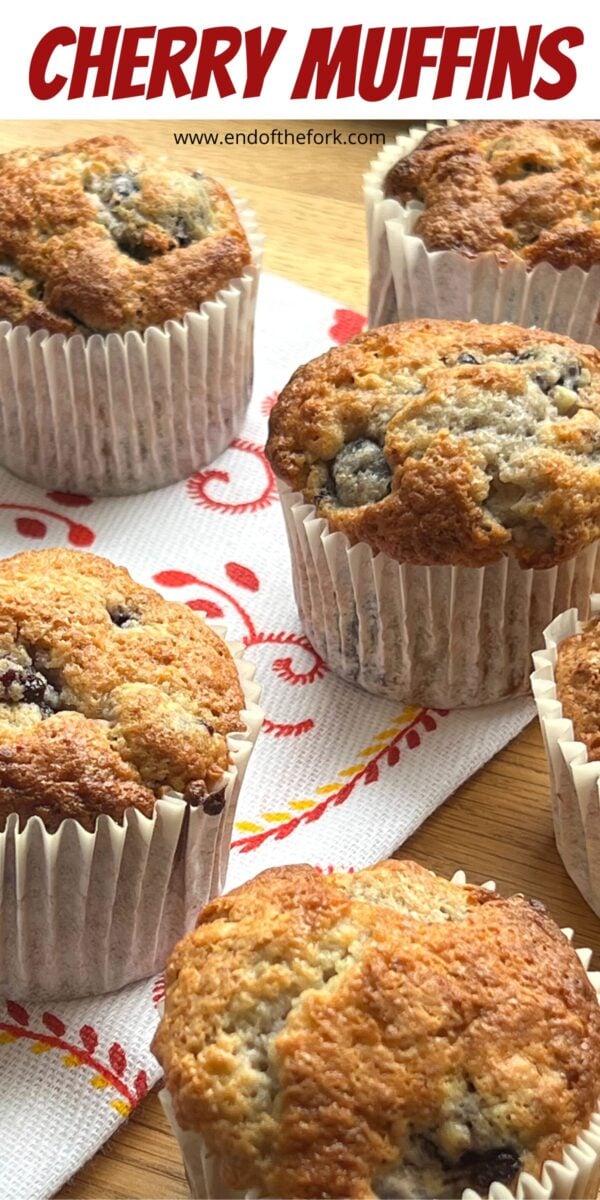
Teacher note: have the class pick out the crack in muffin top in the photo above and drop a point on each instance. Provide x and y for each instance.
(110, 696)
(386, 1034)
(448, 442)
(97, 237)
(527, 189)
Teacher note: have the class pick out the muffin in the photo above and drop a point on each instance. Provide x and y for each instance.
(566, 687)
(452, 208)
(441, 488)
(150, 262)
(125, 728)
(386, 1033)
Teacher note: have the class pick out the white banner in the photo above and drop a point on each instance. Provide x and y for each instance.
(197, 62)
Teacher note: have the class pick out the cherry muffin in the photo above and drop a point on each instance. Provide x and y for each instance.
(125, 726)
(451, 209)
(441, 488)
(566, 688)
(381, 1034)
(99, 238)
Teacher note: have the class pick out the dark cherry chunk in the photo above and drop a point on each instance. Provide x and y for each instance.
(123, 617)
(24, 685)
(196, 796)
(480, 1169)
(214, 804)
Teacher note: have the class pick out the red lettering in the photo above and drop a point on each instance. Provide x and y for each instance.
(124, 87)
(41, 87)
(211, 63)
(325, 63)
(451, 58)
(481, 62)
(367, 88)
(565, 68)
(416, 58)
(85, 61)
(168, 62)
(511, 60)
(258, 60)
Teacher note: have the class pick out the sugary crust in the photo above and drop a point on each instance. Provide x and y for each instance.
(526, 189)
(97, 236)
(109, 694)
(577, 675)
(319, 1031)
(483, 463)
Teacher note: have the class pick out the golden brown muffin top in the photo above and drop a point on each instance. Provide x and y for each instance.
(529, 189)
(577, 676)
(386, 1033)
(97, 236)
(448, 442)
(110, 696)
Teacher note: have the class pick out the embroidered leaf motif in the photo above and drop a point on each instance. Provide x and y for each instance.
(30, 528)
(243, 576)
(69, 499)
(174, 579)
(117, 1059)
(40, 1048)
(89, 1038)
(412, 739)
(17, 1013)
(140, 1084)
(372, 773)
(208, 607)
(54, 1024)
(98, 1081)
(393, 756)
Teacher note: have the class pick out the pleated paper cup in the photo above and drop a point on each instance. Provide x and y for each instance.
(86, 913)
(407, 280)
(441, 636)
(576, 1176)
(116, 414)
(574, 780)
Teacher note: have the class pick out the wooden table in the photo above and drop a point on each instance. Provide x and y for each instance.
(498, 824)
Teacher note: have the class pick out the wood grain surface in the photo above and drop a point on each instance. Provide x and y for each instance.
(498, 825)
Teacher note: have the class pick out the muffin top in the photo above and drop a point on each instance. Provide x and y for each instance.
(110, 696)
(448, 442)
(380, 1034)
(97, 236)
(529, 189)
(577, 676)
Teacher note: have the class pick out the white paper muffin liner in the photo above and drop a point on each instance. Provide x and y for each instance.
(575, 782)
(86, 913)
(441, 636)
(117, 414)
(407, 280)
(576, 1176)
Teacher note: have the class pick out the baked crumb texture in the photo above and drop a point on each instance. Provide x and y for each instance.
(577, 676)
(98, 237)
(448, 442)
(110, 696)
(380, 1034)
(529, 189)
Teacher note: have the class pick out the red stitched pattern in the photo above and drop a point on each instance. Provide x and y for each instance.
(77, 1053)
(199, 485)
(346, 324)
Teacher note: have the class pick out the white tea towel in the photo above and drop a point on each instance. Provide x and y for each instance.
(338, 777)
